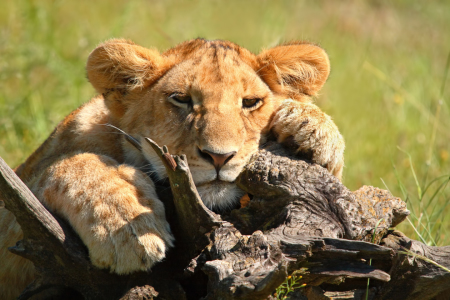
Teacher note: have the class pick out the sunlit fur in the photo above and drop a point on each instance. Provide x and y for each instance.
(88, 174)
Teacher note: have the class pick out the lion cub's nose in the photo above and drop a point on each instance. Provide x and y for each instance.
(217, 159)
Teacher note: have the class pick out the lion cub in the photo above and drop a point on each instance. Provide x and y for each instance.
(211, 100)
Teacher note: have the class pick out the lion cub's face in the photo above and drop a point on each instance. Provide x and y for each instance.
(210, 100)
(213, 107)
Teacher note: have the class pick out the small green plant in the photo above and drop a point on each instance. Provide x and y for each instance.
(291, 283)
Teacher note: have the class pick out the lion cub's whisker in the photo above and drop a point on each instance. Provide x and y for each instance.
(144, 166)
(128, 137)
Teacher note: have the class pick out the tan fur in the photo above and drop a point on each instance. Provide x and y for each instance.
(190, 98)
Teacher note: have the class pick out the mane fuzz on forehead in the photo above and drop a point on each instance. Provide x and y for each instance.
(192, 48)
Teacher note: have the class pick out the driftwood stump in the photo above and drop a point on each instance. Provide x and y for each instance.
(299, 217)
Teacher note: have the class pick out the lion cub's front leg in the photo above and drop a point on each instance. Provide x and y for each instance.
(310, 131)
(113, 208)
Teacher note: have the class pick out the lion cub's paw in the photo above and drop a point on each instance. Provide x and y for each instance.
(307, 130)
(133, 246)
(113, 208)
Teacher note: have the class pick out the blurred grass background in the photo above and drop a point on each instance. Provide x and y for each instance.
(388, 91)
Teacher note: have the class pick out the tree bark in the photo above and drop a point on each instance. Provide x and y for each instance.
(299, 218)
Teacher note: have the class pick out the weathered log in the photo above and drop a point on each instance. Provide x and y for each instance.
(296, 204)
(296, 219)
(293, 195)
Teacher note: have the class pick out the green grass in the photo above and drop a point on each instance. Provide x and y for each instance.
(388, 87)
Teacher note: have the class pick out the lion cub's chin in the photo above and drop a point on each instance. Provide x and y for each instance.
(219, 195)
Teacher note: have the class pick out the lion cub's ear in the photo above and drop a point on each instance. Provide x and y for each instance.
(294, 69)
(121, 65)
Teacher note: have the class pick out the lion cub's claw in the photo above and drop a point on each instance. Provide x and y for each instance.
(305, 129)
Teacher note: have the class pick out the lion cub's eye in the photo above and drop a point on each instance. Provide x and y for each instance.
(181, 98)
(250, 102)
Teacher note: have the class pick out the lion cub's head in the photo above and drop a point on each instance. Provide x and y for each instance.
(211, 100)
